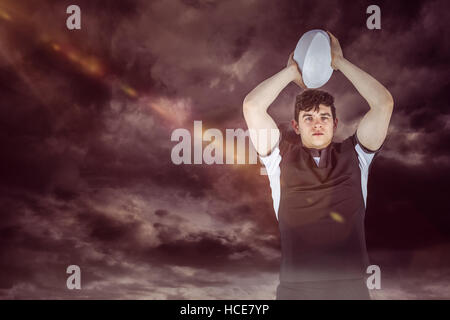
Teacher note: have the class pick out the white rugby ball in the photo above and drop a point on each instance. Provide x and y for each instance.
(313, 56)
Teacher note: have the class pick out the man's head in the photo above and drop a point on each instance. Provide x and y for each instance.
(315, 118)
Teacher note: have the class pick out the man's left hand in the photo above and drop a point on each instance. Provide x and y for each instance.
(336, 51)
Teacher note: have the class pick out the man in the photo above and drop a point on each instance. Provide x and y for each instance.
(319, 187)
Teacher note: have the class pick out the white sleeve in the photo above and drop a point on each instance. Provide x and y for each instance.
(272, 164)
(365, 159)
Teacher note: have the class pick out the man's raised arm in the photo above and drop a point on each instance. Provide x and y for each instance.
(373, 127)
(263, 130)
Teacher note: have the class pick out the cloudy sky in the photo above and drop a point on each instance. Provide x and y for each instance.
(86, 175)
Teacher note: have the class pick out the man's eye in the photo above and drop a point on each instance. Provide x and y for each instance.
(309, 118)
(324, 118)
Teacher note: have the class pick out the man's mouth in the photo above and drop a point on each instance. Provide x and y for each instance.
(318, 134)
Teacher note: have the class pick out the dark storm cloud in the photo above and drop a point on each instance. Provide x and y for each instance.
(413, 199)
(86, 175)
(222, 254)
(96, 240)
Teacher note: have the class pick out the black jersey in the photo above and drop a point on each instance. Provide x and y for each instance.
(319, 198)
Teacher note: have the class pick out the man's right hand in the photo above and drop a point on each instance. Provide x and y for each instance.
(298, 75)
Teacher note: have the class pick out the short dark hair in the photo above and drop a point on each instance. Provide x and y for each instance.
(312, 98)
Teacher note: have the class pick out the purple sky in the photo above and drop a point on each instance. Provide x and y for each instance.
(86, 116)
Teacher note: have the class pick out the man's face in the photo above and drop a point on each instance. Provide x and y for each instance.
(315, 128)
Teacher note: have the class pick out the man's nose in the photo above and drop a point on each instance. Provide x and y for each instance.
(317, 123)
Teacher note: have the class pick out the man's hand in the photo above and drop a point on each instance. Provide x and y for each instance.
(336, 52)
(298, 75)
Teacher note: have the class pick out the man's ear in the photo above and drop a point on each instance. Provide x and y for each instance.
(294, 125)
(335, 124)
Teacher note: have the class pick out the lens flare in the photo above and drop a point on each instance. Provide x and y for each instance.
(129, 91)
(5, 16)
(337, 217)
